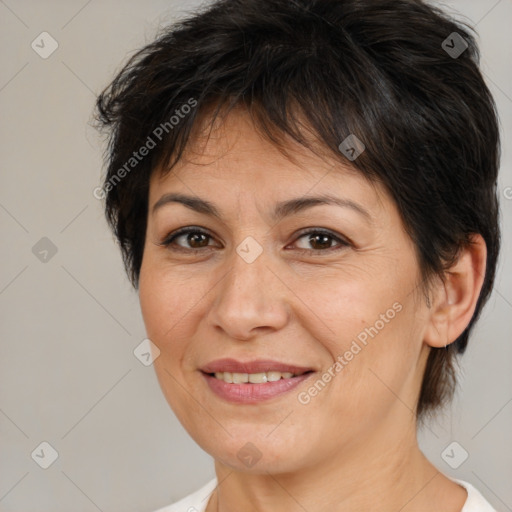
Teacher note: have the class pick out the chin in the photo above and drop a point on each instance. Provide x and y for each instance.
(254, 453)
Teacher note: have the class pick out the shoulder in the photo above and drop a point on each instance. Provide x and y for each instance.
(195, 502)
(475, 502)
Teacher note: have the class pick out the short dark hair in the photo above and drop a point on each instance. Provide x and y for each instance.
(378, 69)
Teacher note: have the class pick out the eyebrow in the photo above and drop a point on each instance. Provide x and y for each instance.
(281, 210)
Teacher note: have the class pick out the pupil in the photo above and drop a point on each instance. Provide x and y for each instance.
(194, 237)
(324, 240)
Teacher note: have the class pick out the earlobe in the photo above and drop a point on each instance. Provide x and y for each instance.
(455, 297)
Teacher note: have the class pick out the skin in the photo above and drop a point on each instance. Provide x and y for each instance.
(353, 446)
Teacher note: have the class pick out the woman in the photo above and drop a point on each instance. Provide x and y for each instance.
(304, 193)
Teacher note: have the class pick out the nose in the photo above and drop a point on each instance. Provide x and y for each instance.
(250, 300)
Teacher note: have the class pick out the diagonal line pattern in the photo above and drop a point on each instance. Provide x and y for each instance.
(396, 396)
(198, 403)
(13, 13)
(76, 14)
(102, 397)
(219, 483)
(69, 21)
(95, 300)
(81, 491)
(194, 305)
(79, 79)
(13, 218)
(488, 12)
(497, 86)
(320, 179)
(496, 290)
(502, 296)
(13, 279)
(501, 409)
(74, 218)
(490, 490)
(3, 412)
(14, 485)
(406, 503)
(280, 423)
(15, 75)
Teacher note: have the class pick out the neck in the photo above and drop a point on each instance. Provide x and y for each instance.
(384, 472)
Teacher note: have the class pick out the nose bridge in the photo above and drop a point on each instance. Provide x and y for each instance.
(248, 298)
(248, 272)
(244, 277)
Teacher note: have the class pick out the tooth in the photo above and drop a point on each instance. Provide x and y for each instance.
(273, 376)
(257, 378)
(254, 378)
(240, 378)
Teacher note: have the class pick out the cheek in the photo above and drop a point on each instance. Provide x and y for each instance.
(358, 307)
(168, 303)
(380, 365)
(370, 330)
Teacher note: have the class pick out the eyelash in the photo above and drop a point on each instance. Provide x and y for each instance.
(168, 242)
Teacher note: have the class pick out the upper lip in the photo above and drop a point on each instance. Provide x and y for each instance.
(257, 366)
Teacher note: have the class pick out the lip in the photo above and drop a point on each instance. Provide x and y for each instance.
(257, 366)
(247, 393)
(252, 393)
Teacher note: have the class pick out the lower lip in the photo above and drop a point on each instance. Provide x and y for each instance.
(253, 393)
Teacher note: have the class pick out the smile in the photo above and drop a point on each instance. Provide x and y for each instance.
(251, 382)
(252, 378)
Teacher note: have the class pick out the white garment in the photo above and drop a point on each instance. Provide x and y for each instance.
(197, 501)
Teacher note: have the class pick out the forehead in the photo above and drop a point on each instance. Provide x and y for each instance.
(234, 138)
(232, 157)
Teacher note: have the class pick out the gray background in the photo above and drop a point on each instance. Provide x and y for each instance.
(70, 324)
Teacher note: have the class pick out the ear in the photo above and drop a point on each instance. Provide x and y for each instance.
(454, 298)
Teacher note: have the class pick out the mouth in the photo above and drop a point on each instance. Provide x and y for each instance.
(255, 372)
(252, 382)
(254, 378)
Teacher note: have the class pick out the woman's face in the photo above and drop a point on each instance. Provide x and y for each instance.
(330, 289)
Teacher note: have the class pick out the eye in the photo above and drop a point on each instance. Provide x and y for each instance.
(320, 240)
(189, 239)
(192, 239)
